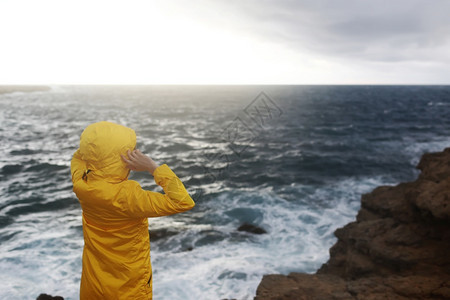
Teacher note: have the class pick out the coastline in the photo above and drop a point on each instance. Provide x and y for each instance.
(6, 89)
(396, 249)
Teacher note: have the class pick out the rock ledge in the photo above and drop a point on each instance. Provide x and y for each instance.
(398, 247)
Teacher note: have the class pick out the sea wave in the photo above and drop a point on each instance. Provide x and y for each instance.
(298, 179)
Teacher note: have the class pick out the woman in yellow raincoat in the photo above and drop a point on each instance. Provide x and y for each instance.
(116, 254)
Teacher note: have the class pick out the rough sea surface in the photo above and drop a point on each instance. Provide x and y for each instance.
(292, 160)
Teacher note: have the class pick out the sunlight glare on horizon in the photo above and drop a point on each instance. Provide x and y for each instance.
(138, 42)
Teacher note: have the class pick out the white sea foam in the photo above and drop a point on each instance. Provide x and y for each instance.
(416, 149)
(44, 256)
(45, 253)
(298, 239)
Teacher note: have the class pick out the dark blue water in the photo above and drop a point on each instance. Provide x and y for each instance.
(293, 161)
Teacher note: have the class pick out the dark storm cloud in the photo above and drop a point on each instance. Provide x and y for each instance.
(396, 30)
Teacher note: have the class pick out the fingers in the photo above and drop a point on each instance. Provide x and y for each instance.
(137, 161)
(133, 159)
(135, 154)
(127, 162)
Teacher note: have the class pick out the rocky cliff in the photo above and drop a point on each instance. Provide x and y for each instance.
(398, 247)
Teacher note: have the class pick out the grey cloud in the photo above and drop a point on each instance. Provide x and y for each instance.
(380, 30)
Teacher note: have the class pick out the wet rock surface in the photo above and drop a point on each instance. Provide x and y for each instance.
(251, 229)
(398, 247)
(49, 297)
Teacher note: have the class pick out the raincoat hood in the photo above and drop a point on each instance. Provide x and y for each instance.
(101, 145)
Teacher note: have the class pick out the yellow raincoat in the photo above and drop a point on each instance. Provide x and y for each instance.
(116, 254)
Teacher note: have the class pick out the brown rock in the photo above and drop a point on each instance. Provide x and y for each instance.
(398, 248)
(302, 287)
(436, 200)
(435, 166)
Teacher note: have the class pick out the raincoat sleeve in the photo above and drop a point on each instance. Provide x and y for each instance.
(175, 199)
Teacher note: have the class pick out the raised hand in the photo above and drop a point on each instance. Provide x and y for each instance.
(137, 161)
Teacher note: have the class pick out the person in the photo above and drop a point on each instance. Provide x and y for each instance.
(116, 255)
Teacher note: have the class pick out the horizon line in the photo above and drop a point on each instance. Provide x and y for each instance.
(219, 84)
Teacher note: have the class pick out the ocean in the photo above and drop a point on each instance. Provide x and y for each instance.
(292, 161)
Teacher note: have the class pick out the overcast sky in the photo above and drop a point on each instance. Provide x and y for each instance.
(225, 42)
